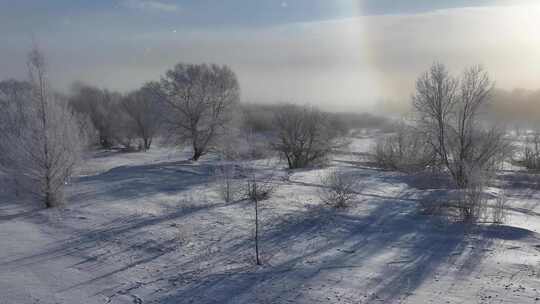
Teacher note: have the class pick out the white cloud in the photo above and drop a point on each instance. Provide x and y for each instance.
(150, 5)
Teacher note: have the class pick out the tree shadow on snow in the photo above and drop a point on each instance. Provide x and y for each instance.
(131, 182)
(312, 251)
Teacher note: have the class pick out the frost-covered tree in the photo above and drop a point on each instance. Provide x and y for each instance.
(199, 101)
(40, 139)
(449, 110)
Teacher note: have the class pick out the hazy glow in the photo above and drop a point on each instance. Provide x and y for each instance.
(347, 63)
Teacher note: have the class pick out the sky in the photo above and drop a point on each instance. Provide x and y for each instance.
(337, 54)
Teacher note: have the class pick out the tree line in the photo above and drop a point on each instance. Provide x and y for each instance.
(44, 132)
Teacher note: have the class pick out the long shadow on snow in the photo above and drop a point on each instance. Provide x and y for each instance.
(129, 182)
(117, 229)
(323, 245)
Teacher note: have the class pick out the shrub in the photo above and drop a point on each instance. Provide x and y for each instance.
(228, 186)
(407, 151)
(303, 135)
(338, 189)
(257, 190)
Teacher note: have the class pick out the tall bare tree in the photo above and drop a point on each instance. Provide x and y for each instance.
(435, 100)
(199, 100)
(449, 109)
(472, 146)
(41, 146)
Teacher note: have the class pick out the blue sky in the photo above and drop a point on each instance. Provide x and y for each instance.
(309, 51)
(195, 13)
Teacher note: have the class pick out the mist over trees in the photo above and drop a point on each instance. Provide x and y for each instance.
(519, 108)
(198, 105)
(99, 106)
(450, 132)
(448, 110)
(143, 113)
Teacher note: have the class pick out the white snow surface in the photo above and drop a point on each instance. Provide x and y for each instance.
(151, 228)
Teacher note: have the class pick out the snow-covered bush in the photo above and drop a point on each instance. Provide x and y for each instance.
(472, 203)
(258, 190)
(338, 189)
(407, 150)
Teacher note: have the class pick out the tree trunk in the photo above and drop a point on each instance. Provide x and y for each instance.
(256, 226)
(147, 144)
(196, 154)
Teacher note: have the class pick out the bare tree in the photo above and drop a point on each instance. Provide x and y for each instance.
(434, 100)
(259, 185)
(42, 145)
(199, 100)
(303, 135)
(471, 146)
(143, 114)
(449, 110)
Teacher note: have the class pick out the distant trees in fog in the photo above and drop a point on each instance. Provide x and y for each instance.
(99, 106)
(131, 120)
(519, 107)
(143, 113)
(40, 136)
(191, 104)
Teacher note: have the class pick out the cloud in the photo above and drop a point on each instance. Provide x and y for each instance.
(152, 5)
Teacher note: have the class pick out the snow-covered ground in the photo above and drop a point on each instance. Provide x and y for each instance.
(151, 228)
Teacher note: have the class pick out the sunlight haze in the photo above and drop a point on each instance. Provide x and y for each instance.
(342, 54)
